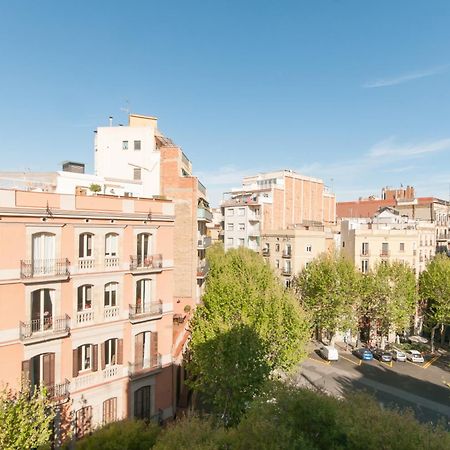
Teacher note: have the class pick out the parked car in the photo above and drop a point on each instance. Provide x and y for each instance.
(364, 353)
(414, 356)
(382, 355)
(329, 353)
(398, 355)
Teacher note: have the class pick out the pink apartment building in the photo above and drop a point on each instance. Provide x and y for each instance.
(87, 304)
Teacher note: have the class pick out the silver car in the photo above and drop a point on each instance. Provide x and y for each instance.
(398, 355)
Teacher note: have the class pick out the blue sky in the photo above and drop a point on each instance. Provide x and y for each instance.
(354, 92)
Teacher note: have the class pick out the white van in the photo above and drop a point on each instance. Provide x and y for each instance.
(329, 353)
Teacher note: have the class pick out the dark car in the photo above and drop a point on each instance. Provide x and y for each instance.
(363, 353)
(382, 355)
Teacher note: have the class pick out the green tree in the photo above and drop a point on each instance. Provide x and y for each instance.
(389, 298)
(248, 327)
(434, 289)
(25, 418)
(328, 288)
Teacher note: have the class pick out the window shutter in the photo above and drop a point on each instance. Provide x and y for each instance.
(75, 365)
(120, 351)
(103, 356)
(154, 349)
(138, 351)
(95, 358)
(49, 369)
(26, 371)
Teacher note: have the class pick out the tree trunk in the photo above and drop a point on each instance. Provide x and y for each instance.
(443, 331)
(332, 338)
(433, 331)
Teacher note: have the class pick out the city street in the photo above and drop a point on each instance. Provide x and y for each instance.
(422, 387)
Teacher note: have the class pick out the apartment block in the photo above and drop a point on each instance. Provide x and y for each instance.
(274, 201)
(87, 306)
(388, 237)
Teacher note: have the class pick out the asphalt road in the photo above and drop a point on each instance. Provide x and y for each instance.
(422, 387)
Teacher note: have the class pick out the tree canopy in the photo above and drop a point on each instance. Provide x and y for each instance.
(248, 327)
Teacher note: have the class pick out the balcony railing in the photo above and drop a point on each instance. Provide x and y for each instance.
(47, 327)
(385, 253)
(36, 268)
(204, 242)
(201, 187)
(441, 237)
(136, 369)
(150, 262)
(111, 261)
(204, 214)
(142, 311)
(86, 263)
(111, 312)
(266, 252)
(85, 316)
(287, 254)
(110, 372)
(365, 253)
(202, 270)
(287, 271)
(254, 217)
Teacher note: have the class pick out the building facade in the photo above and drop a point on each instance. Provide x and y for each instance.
(87, 307)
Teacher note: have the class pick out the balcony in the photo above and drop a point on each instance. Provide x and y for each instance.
(45, 268)
(91, 378)
(364, 253)
(254, 231)
(287, 254)
(203, 242)
(202, 270)
(85, 317)
(140, 369)
(87, 263)
(441, 237)
(111, 261)
(150, 263)
(140, 313)
(204, 214)
(266, 252)
(40, 330)
(111, 312)
(385, 253)
(201, 187)
(110, 372)
(286, 271)
(254, 217)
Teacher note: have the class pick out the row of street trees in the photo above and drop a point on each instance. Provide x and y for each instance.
(384, 301)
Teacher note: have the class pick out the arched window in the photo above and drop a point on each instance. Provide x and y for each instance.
(143, 250)
(42, 310)
(84, 298)
(142, 403)
(143, 295)
(111, 244)
(110, 297)
(85, 243)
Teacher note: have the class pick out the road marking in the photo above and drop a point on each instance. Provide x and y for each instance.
(431, 361)
(389, 364)
(414, 364)
(327, 363)
(446, 383)
(353, 362)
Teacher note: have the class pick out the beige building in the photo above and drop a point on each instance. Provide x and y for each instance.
(388, 236)
(289, 251)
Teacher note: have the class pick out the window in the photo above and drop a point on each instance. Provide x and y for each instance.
(40, 370)
(110, 410)
(111, 294)
(241, 211)
(43, 253)
(85, 245)
(277, 247)
(241, 226)
(402, 246)
(143, 249)
(146, 350)
(287, 283)
(365, 248)
(277, 263)
(384, 248)
(364, 266)
(85, 357)
(137, 174)
(137, 145)
(84, 297)
(287, 250)
(230, 212)
(143, 296)
(83, 421)
(308, 248)
(110, 352)
(230, 242)
(41, 310)
(111, 240)
(124, 145)
(230, 226)
(142, 403)
(241, 242)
